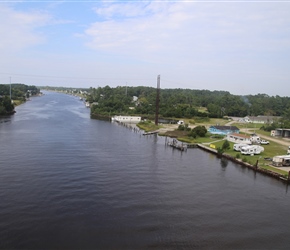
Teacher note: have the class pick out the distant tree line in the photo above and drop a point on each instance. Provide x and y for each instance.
(185, 103)
(19, 92)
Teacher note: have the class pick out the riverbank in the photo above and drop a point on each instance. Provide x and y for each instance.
(255, 167)
(256, 163)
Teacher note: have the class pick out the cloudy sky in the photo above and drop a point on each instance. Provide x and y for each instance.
(238, 46)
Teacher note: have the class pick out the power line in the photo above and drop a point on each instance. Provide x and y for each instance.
(77, 77)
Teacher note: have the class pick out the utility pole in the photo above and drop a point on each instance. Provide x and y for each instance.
(157, 100)
(10, 89)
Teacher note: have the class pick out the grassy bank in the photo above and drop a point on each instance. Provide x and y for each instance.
(270, 151)
(148, 126)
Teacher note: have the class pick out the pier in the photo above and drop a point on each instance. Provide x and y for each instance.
(174, 144)
(150, 133)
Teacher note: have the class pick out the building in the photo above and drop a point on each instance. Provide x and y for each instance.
(223, 130)
(282, 132)
(239, 138)
(281, 160)
(261, 119)
(127, 119)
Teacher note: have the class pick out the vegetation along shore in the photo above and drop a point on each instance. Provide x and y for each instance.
(13, 95)
(198, 110)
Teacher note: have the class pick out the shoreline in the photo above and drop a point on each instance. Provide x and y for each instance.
(245, 164)
(255, 167)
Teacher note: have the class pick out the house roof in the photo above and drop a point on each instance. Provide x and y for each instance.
(240, 135)
(263, 118)
(225, 127)
(283, 129)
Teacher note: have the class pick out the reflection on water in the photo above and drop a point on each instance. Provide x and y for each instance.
(71, 182)
(224, 162)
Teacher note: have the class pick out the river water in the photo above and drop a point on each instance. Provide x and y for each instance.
(71, 182)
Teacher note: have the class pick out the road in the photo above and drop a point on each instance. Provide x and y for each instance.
(282, 141)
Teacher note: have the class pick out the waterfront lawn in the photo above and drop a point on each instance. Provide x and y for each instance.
(148, 126)
(276, 170)
(205, 140)
(18, 102)
(270, 151)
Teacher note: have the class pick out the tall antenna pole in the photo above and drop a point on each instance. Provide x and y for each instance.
(157, 100)
(10, 88)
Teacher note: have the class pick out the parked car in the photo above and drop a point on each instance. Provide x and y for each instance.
(264, 142)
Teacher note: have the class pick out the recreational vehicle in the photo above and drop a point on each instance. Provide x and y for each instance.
(281, 160)
(251, 150)
(255, 139)
(238, 146)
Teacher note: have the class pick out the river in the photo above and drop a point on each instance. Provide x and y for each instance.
(71, 182)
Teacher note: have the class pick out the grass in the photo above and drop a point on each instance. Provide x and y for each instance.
(17, 102)
(202, 110)
(270, 151)
(276, 170)
(148, 126)
(241, 125)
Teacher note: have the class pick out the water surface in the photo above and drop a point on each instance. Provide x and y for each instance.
(71, 182)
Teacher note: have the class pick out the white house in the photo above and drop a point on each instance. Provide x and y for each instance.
(261, 119)
(239, 138)
(127, 119)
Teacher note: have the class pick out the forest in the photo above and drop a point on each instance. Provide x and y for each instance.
(184, 103)
(19, 94)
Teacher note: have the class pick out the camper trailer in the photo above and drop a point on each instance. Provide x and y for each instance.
(238, 146)
(281, 160)
(255, 139)
(252, 150)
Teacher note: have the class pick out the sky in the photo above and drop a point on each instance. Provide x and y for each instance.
(242, 47)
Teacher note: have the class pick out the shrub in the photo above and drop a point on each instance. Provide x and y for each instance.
(200, 131)
(192, 134)
(181, 127)
(220, 150)
(186, 128)
(238, 156)
(226, 145)
(244, 159)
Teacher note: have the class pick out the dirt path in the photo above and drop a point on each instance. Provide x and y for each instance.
(282, 141)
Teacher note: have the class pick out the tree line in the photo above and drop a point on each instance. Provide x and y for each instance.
(184, 103)
(19, 92)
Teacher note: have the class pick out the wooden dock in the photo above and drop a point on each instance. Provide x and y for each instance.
(150, 133)
(180, 146)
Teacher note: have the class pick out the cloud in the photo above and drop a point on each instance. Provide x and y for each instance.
(147, 29)
(18, 29)
(188, 29)
(192, 44)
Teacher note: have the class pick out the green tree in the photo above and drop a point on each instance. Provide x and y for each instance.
(226, 145)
